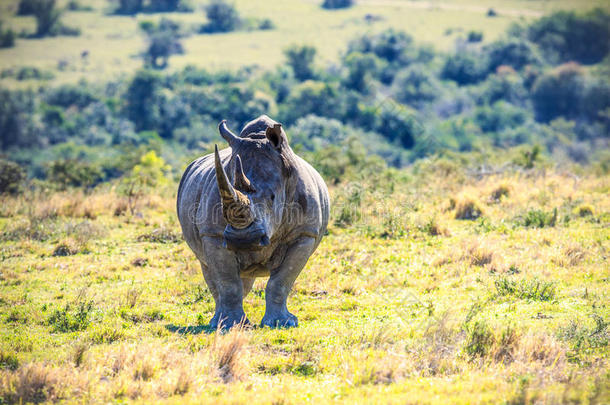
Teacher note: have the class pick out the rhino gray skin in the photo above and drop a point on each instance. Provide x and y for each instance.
(255, 209)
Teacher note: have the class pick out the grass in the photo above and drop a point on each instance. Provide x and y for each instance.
(115, 43)
(439, 310)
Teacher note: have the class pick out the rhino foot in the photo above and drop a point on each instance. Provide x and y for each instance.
(284, 320)
(227, 321)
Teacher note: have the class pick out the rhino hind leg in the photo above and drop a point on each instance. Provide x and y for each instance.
(222, 275)
(281, 281)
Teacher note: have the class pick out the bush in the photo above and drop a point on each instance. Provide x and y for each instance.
(164, 6)
(474, 36)
(143, 100)
(311, 97)
(533, 289)
(334, 4)
(416, 86)
(499, 116)
(7, 37)
(65, 320)
(16, 119)
(26, 7)
(69, 95)
(361, 69)
(464, 68)
(11, 177)
(399, 124)
(514, 52)
(222, 17)
(129, 7)
(567, 36)
(540, 219)
(300, 59)
(73, 173)
(559, 93)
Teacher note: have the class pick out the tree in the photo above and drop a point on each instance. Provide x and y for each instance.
(222, 17)
(514, 52)
(129, 7)
(559, 93)
(163, 41)
(333, 4)
(361, 67)
(47, 17)
(567, 36)
(143, 100)
(415, 86)
(464, 68)
(300, 59)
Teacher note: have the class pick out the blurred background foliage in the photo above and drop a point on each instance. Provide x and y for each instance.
(388, 101)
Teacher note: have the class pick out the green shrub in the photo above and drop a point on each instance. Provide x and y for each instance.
(300, 59)
(569, 36)
(68, 320)
(540, 218)
(474, 36)
(464, 68)
(222, 17)
(129, 7)
(7, 37)
(11, 177)
(26, 7)
(334, 4)
(73, 173)
(533, 289)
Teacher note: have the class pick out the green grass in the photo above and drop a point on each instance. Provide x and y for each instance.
(462, 315)
(115, 42)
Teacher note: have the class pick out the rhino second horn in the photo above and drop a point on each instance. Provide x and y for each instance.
(226, 133)
(241, 181)
(235, 205)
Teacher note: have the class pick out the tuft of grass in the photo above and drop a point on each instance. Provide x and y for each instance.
(433, 228)
(467, 208)
(533, 289)
(8, 361)
(479, 339)
(501, 191)
(229, 350)
(67, 247)
(79, 353)
(584, 210)
(33, 382)
(478, 254)
(160, 235)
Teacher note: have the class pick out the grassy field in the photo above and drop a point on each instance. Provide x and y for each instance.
(115, 42)
(402, 303)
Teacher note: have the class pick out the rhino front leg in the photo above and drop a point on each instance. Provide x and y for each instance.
(281, 281)
(223, 272)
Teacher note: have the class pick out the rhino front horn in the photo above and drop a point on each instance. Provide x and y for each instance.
(235, 205)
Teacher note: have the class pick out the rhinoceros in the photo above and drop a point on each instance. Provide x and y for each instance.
(255, 209)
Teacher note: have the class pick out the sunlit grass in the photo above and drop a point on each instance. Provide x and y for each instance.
(487, 309)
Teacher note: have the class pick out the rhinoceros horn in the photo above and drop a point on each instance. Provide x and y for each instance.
(227, 134)
(235, 205)
(241, 181)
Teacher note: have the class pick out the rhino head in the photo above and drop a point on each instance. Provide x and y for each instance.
(254, 196)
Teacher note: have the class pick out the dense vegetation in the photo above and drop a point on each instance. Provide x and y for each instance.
(400, 99)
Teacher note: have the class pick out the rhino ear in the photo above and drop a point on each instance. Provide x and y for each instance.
(275, 135)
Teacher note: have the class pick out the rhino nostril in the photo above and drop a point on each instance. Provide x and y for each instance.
(265, 240)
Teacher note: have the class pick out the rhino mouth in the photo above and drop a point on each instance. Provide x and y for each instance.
(253, 237)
